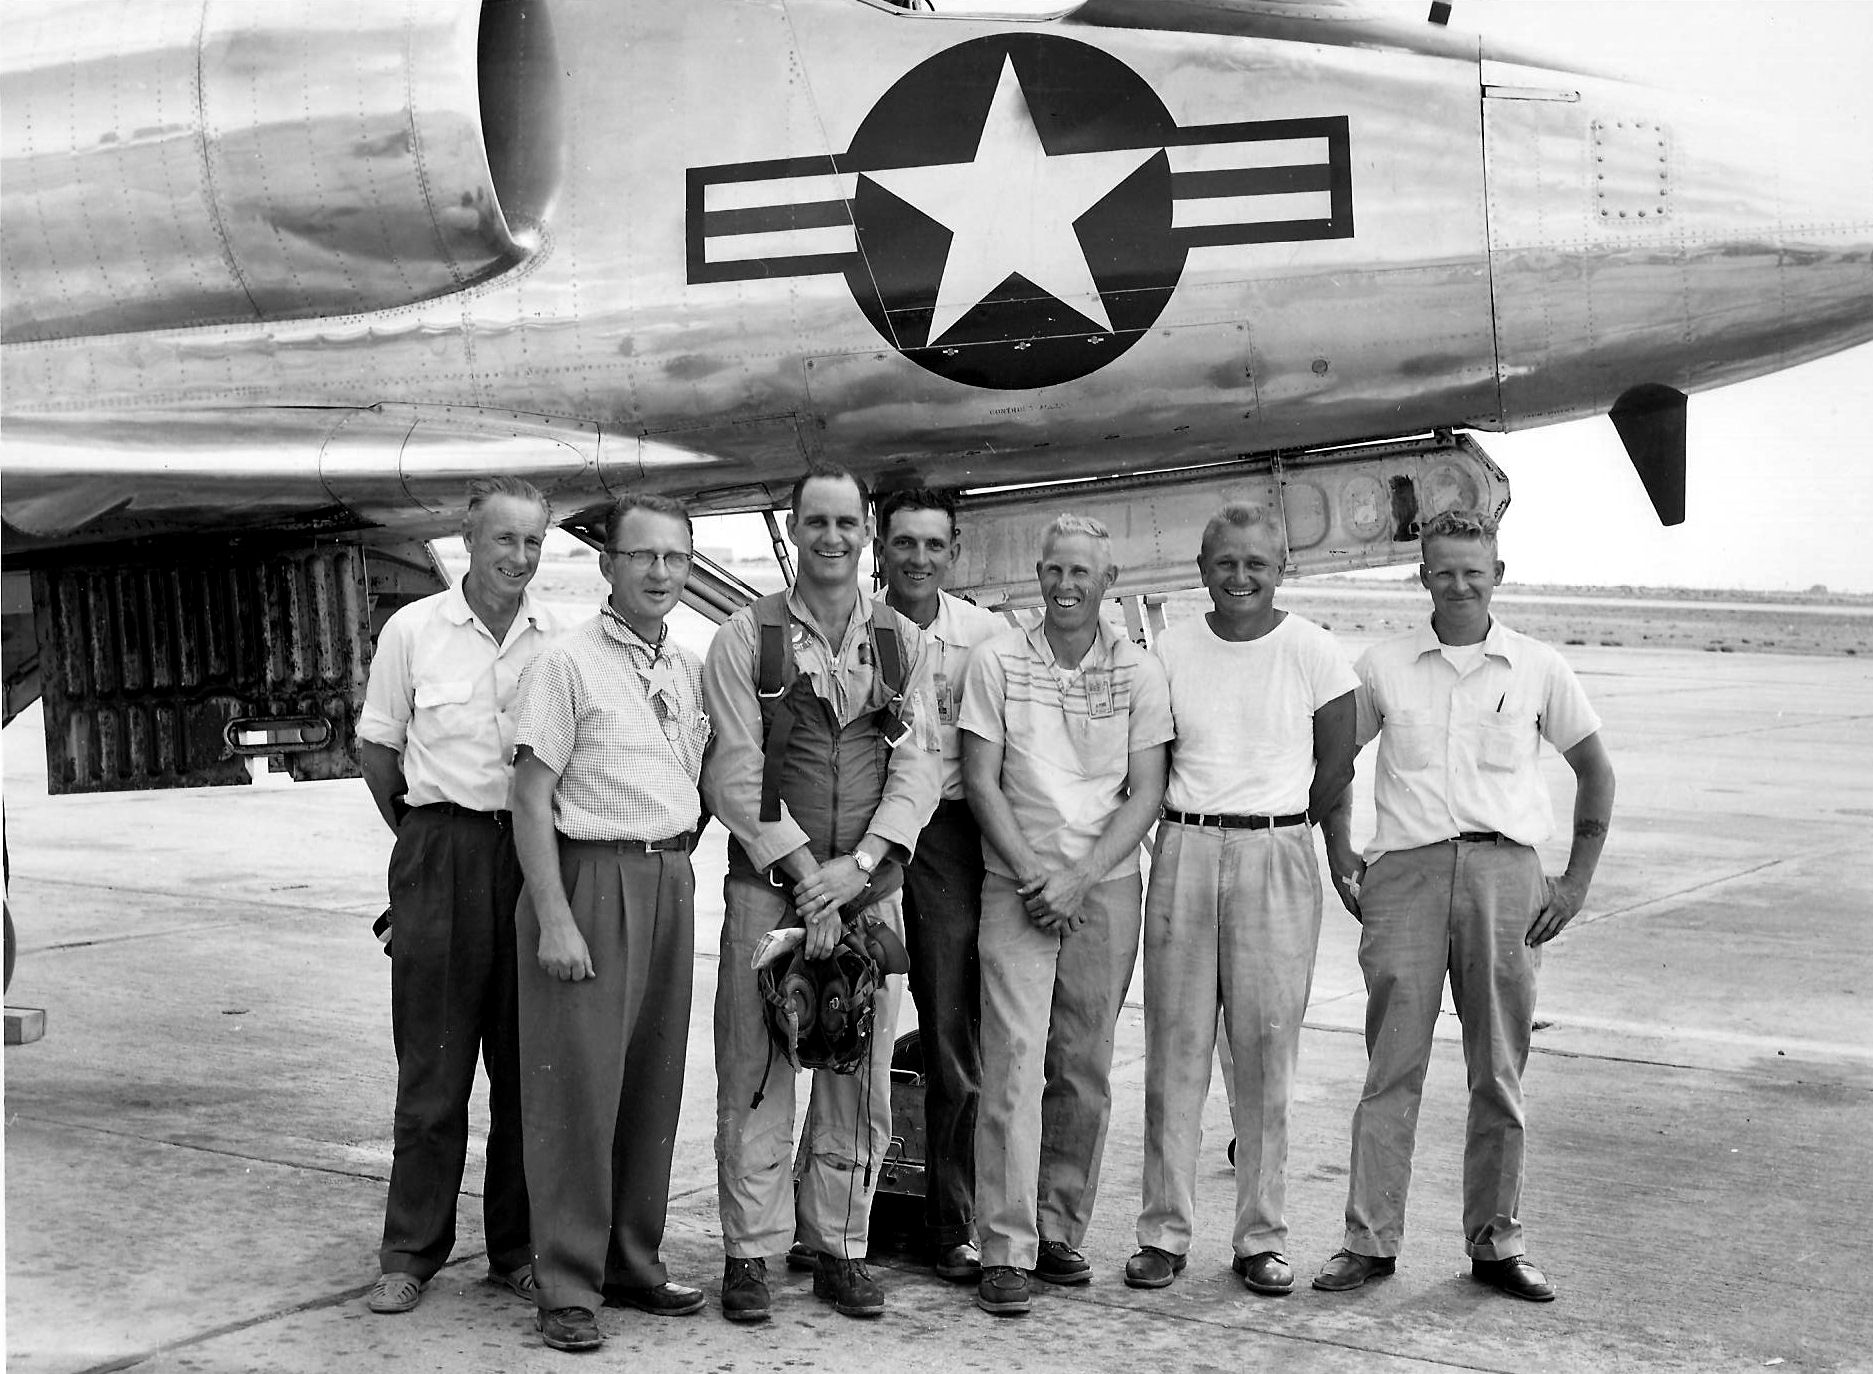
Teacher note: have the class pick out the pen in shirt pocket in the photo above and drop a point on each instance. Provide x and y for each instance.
(1499, 701)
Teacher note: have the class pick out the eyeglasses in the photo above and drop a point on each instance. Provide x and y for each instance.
(676, 563)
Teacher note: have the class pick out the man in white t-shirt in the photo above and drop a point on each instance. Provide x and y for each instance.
(1263, 705)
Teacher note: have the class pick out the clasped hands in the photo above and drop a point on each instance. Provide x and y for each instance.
(818, 898)
(1055, 899)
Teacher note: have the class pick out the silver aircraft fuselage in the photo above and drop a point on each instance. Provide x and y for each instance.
(303, 266)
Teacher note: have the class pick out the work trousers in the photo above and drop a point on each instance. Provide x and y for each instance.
(1050, 1004)
(1232, 919)
(942, 918)
(603, 1071)
(454, 879)
(1462, 908)
(848, 1117)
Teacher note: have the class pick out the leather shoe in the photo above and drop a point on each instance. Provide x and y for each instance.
(1515, 1276)
(744, 1290)
(959, 1263)
(1003, 1291)
(802, 1257)
(1153, 1268)
(569, 1328)
(1266, 1272)
(1349, 1269)
(1061, 1263)
(665, 1300)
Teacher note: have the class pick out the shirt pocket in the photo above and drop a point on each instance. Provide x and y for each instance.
(1413, 737)
(432, 696)
(1504, 742)
(445, 711)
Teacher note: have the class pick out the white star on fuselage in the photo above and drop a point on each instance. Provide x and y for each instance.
(1012, 210)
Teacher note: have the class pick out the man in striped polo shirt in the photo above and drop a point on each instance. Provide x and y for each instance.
(1064, 723)
(610, 743)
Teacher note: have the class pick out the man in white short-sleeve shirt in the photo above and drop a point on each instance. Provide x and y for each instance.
(436, 743)
(1263, 703)
(918, 540)
(1451, 883)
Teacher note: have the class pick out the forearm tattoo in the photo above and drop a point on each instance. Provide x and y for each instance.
(1590, 829)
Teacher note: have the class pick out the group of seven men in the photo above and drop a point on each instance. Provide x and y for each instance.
(916, 765)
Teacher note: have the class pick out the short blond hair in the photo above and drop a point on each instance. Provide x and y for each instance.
(1066, 524)
(1458, 524)
(1242, 515)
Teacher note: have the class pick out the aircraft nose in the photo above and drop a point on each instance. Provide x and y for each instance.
(1638, 238)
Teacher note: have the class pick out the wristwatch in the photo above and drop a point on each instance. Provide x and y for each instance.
(866, 864)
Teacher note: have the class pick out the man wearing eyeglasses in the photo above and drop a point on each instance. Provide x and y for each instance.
(610, 741)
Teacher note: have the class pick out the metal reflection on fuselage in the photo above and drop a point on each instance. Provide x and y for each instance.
(1455, 272)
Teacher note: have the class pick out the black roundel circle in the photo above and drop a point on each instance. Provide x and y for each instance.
(1013, 211)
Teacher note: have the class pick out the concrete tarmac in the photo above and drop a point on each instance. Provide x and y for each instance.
(195, 1154)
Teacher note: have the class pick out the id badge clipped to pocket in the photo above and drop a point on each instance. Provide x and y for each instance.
(1099, 693)
(945, 698)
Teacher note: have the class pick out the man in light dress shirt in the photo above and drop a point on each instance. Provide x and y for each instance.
(917, 545)
(1451, 883)
(847, 808)
(1064, 724)
(436, 738)
(1263, 702)
(610, 741)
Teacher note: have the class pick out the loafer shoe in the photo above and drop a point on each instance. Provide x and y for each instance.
(802, 1257)
(1266, 1271)
(848, 1285)
(1003, 1291)
(1061, 1263)
(518, 1280)
(1514, 1276)
(1153, 1268)
(569, 1328)
(395, 1293)
(664, 1300)
(959, 1263)
(1349, 1269)
(744, 1290)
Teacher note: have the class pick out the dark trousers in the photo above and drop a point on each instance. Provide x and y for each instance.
(454, 879)
(942, 918)
(604, 1064)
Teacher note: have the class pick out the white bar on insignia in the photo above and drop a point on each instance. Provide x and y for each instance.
(1228, 157)
(753, 195)
(784, 243)
(1196, 212)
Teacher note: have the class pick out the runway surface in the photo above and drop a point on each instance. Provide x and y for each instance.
(196, 1152)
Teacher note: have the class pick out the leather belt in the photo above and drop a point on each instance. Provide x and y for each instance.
(1478, 837)
(1224, 822)
(665, 845)
(448, 808)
